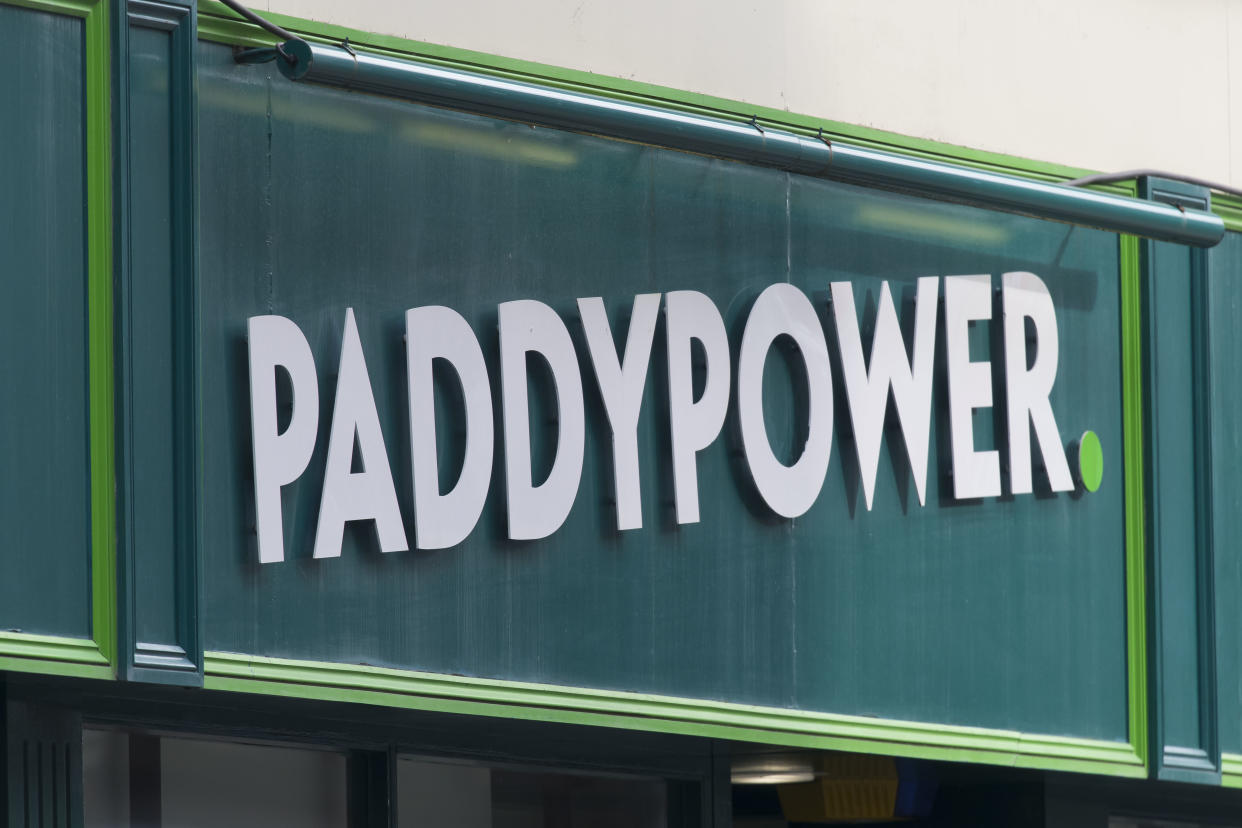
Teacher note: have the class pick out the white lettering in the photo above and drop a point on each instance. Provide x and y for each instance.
(1025, 296)
(368, 494)
(530, 326)
(691, 315)
(975, 473)
(279, 459)
(867, 386)
(621, 384)
(783, 309)
(431, 333)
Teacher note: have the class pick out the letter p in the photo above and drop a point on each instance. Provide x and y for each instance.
(279, 458)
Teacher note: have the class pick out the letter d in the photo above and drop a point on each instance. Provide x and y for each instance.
(538, 511)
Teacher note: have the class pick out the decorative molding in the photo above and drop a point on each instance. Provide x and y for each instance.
(153, 15)
(1229, 208)
(54, 655)
(1231, 770)
(1196, 760)
(71, 8)
(163, 657)
(665, 714)
(175, 660)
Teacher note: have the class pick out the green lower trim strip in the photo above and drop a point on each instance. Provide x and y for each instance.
(53, 655)
(1231, 770)
(636, 711)
(99, 299)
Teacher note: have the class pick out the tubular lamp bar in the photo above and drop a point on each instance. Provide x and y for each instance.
(578, 112)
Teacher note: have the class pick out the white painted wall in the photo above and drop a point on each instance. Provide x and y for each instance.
(1068, 81)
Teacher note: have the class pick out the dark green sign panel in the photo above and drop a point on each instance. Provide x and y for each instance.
(1225, 266)
(45, 490)
(1000, 612)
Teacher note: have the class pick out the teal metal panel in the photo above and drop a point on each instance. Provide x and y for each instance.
(1008, 613)
(1011, 604)
(1225, 307)
(153, 318)
(157, 399)
(1177, 395)
(44, 490)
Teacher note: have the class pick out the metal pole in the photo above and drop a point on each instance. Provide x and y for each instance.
(749, 142)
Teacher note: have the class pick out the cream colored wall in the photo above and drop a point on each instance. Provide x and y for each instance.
(1069, 81)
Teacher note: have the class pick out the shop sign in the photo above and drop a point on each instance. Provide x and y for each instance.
(444, 519)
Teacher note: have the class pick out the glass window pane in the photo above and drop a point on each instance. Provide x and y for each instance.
(443, 795)
(224, 783)
(142, 778)
(434, 794)
(105, 778)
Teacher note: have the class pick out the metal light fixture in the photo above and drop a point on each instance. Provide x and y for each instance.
(751, 142)
(773, 769)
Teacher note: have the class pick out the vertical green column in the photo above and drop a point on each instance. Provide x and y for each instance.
(1177, 395)
(156, 342)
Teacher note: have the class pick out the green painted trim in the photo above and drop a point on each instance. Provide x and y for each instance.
(70, 8)
(1229, 208)
(664, 714)
(15, 647)
(1231, 770)
(1132, 436)
(99, 301)
(218, 24)
(53, 655)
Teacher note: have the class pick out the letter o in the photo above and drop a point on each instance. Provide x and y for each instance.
(784, 309)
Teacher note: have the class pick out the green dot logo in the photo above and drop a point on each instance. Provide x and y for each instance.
(1090, 464)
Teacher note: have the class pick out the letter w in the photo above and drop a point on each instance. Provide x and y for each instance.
(867, 385)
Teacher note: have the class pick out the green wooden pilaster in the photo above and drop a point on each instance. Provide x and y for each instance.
(157, 408)
(1177, 395)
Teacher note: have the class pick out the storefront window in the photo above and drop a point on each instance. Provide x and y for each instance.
(141, 780)
(136, 779)
(432, 794)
